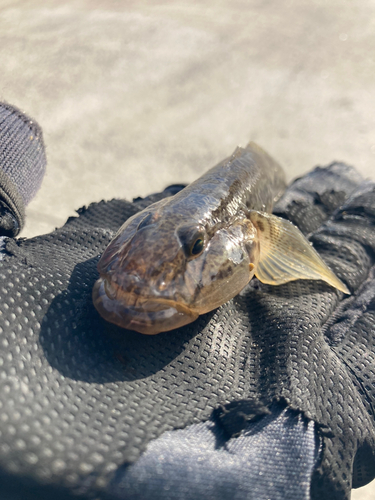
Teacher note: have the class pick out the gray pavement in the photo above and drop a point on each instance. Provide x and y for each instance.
(135, 95)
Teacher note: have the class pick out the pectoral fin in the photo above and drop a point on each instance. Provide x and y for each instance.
(286, 255)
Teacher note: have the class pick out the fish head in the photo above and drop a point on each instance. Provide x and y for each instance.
(161, 271)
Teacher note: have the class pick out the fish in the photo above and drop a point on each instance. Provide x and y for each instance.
(188, 254)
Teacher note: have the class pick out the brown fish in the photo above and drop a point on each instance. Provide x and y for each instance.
(188, 254)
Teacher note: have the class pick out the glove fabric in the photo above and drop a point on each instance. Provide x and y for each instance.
(81, 399)
(22, 166)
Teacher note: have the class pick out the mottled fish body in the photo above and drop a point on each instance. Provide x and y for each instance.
(188, 254)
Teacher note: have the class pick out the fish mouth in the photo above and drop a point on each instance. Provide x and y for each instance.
(144, 314)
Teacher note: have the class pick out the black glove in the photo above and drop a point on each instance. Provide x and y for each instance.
(78, 409)
(22, 166)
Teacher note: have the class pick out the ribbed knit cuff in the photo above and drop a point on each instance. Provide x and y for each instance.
(12, 207)
(22, 166)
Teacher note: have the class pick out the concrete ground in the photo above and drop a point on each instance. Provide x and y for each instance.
(135, 95)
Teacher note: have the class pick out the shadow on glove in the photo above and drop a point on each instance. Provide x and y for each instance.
(103, 357)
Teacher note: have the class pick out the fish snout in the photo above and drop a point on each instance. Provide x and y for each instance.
(143, 291)
(145, 314)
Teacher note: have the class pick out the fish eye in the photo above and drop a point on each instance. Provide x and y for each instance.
(197, 247)
(192, 240)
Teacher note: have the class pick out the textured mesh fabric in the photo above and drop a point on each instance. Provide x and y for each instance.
(77, 405)
(22, 166)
